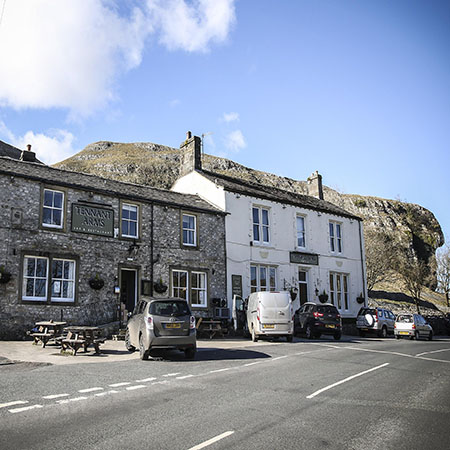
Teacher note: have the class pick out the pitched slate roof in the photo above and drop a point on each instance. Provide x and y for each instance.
(15, 153)
(278, 195)
(87, 182)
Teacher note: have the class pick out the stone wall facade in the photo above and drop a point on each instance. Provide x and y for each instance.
(150, 258)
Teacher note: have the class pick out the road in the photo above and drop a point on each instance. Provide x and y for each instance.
(321, 394)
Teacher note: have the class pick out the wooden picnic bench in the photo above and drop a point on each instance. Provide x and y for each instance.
(211, 327)
(82, 336)
(47, 330)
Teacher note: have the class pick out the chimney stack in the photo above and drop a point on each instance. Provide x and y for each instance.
(28, 155)
(315, 185)
(191, 157)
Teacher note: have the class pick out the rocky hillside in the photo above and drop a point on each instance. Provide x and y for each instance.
(158, 165)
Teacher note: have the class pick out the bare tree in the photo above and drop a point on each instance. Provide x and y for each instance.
(443, 272)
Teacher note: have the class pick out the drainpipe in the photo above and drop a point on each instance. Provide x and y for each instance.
(362, 263)
(152, 262)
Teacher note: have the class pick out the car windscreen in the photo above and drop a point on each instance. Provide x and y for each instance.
(326, 309)
(405, 318)
(169, 308)
(364, 311)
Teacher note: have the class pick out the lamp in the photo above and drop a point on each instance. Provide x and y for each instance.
(133, 248)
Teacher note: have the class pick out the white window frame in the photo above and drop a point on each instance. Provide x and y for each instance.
(128, 207)
(202, 291)
(259, 269)
(53, 208)
(178, 288)
(260, 226)
(188, 289)
(190, 231)
(335, 232)
(339, 290)
(63, 280)
(301, 233)
(26, 277)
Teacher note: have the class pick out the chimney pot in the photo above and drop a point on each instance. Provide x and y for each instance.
(29, 147)
(188, 135)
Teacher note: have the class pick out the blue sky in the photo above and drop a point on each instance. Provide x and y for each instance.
(358, 90)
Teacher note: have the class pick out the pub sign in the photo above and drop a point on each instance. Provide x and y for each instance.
(304, 258)
(92, 219)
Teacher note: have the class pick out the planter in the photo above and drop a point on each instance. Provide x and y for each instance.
(160, 288)
(323, 298)
(96, 283)
(360, 300)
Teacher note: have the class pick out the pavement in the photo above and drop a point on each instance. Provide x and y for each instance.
(27, 351)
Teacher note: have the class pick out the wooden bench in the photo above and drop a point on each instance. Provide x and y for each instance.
(73, 344)
(211, 327)
(42, 337)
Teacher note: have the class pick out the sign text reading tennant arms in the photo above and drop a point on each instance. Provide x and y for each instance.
(92, 219)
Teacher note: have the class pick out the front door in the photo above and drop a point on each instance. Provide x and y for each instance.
(128, 288)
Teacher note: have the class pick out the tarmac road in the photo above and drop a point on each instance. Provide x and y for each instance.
(349, 394)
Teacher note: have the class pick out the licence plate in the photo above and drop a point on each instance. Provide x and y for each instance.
(330, 326)
(173, 325)
(403, 332)
(266, 325)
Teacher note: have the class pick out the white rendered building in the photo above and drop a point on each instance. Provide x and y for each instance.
(277, 240)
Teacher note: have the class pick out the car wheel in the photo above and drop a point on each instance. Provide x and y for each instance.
(128, 345)
(430, 336)
(361, 333)
(254, 338)
(337, 336)
(417, 335)
(383, 332)
(309, 332)
(143, 352)
(189, 353)
(289, 338)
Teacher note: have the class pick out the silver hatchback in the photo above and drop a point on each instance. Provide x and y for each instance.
(161, 324)
(412, 326)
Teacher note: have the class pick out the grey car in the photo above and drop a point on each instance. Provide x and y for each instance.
(377, 320)
(161, 324)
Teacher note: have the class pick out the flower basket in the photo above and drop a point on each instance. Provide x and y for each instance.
(160, 287)
(323, 298)
(96, 283)
(5, 276)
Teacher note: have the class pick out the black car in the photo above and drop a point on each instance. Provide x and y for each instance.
(313, 320)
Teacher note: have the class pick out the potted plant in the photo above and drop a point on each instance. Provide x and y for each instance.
(159, 286)
(323, 297)
(96, 282)
(5, 276)
(360, 299)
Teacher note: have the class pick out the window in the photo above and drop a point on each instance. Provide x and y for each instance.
(336, 237)
(302, 286)
(37, 278)
(130, 221)
(261, 225)
(263, 278)
(301, 242)
(339, 290)
(52, 209)
(190, 285)
(189, 230)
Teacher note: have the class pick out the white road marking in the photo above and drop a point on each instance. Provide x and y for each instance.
(185, 376)
(280, 357)
(212, 440)
(160, 382)
(220, 370)
(101, 394)
(125, 383)
(68, 400)
(25, 408)
(51, 397)
(145, 380)
(345, 380)
(83, 391)
(172, 374)
(434, 351)
(17, 402)
(133, 388)
(253, 363)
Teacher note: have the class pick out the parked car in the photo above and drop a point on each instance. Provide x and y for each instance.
(270, 314)
(412, 326)
(161, 324)
(375, 320)
(314, 319)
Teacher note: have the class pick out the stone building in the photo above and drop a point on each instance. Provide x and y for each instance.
(84, 249)
(277, 239)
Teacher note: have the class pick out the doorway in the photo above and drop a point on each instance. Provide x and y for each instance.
(128, 288)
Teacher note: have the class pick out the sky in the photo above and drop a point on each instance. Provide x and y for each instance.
(358, 90)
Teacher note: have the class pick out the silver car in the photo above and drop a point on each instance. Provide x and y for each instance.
(378, 320)
(412, 326)
(161, 324)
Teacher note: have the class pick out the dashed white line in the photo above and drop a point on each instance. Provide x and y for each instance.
(172, 374)
(85, 391)
(17, 402)
(212, 440)
(69, 400)
(145, 380)
(101, 394)
(51, 397)
(125, 383)
(160, 382)
(25, 408)
(185, 376)
(133, 388)
(345, 380)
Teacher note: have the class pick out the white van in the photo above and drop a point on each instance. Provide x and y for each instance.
(270, 314)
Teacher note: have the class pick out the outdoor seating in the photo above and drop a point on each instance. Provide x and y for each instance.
(82, 336)
(46, 331)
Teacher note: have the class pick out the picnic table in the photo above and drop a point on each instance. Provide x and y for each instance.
(82, 336)
(210, 327)
(46, 331)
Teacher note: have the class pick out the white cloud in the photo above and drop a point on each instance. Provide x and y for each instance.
(230, 117)
(191, 26)
(69, 54)
(235, 141)
(49, 148)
